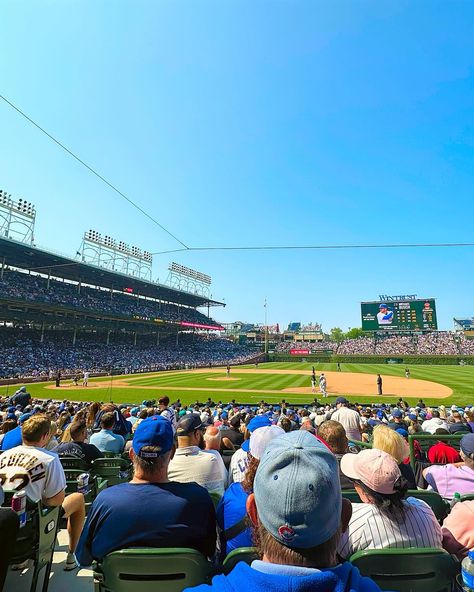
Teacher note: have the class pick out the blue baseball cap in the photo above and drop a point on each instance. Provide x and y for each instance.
(467, 445)
(402, 432)
(153, 431)
(397, 413)
(301, 477)
(260, 421)
(24, 417)
(383, 306)
(412, 416)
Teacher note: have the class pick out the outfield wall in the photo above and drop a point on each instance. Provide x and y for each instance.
(364, 359)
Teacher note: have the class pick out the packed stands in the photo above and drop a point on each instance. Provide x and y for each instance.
(25, 355)
(421, 528)
(21, 287)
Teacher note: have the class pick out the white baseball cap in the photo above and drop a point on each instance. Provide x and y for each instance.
(260, 438)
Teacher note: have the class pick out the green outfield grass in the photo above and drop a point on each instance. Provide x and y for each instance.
(459, 379)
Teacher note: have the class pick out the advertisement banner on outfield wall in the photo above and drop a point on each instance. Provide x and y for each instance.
(299, 352)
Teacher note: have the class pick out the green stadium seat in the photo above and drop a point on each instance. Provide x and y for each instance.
(96, 485)
(72, 462)
(409, 570)
(467, 497)
(215, 497)
(359, 444)
(427, 440)
(152, 570)
(439, 505)
(37, 539)
(246, 554)
(114, 470)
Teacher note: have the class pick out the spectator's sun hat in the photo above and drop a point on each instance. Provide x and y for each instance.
(375, 468)
(188, 423)
(467, 445)
(301, 478)
(260, 439)
(153, 431)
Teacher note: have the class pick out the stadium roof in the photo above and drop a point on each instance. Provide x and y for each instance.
(23, 256)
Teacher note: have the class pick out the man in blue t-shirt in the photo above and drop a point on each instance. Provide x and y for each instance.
(106, 440)
(150, 511)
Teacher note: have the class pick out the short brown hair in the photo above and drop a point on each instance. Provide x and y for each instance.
(334, 434)
(321, 556)
(34, 428)
(164, 401)
(107, 421)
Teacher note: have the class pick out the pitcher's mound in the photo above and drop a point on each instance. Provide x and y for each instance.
(224, 378)
(347, 383)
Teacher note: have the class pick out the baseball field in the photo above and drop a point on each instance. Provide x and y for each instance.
(273, 382)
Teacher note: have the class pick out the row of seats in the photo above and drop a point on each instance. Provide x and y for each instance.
(172, 570)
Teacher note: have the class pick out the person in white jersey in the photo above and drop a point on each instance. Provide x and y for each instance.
(349, 418)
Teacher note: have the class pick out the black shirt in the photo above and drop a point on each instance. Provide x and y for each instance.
(86, 452)
(234, 436)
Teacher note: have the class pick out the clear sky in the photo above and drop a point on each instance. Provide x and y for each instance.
(254, 123)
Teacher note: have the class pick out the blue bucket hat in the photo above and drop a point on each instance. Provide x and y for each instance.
(301, 477)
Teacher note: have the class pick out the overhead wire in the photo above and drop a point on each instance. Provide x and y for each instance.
(187, 248)
(318, 247)
(92, 170)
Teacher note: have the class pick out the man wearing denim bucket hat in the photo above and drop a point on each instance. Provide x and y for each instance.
(298, 516)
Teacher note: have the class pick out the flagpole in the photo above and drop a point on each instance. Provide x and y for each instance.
(266, 329)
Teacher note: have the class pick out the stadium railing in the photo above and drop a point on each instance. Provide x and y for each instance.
(409, 570)
(427, 440)
(37, 539)
(152, 570)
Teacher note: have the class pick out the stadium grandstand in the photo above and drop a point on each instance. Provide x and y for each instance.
(72, 315)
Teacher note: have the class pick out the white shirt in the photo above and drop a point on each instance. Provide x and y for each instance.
(238, 465)
(369, 528)
(170, 415)
(350, 419)
(190, 464)
(224, 473)
(382, 321)
(431, 425)
(36, 470)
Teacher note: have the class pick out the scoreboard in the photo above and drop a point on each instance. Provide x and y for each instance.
(399, 315)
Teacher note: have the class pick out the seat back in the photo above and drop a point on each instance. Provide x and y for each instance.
(427, 440)
(408, 570)
(37, 539)
(246, 554)
(152, 570)
(439, 505)
(72, 462)
(114, 470)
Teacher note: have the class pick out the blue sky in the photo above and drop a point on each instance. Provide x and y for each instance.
(254, 123)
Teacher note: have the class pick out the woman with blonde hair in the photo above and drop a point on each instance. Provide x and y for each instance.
(393, 443)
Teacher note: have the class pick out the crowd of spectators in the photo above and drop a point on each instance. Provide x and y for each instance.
(317, 346)
(24, 355)
(34, 288)
(436, 343)
(281, 492)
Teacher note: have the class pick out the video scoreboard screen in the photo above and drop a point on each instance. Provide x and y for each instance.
(399, 315)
